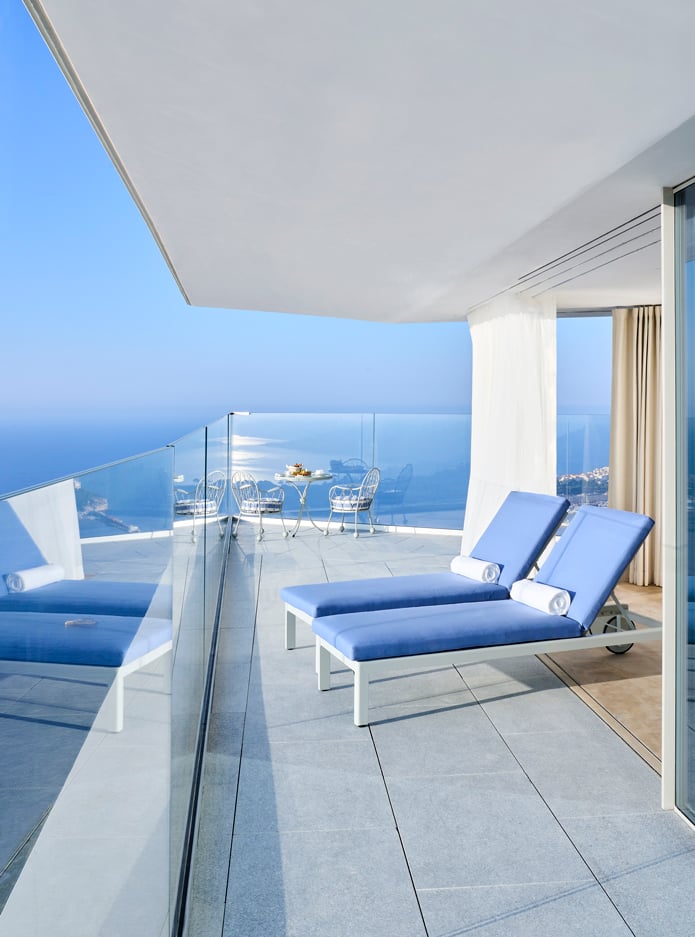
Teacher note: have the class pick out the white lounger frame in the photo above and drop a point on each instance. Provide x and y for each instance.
(365, 670)
(291, 616)
(111, 712)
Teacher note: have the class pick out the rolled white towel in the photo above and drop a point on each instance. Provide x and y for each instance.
(541, 596)
(25, 579)
(480, 570)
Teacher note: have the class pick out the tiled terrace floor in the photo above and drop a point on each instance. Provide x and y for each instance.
(483, 800)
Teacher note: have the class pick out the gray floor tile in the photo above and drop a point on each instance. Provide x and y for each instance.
(473, 785)
(515, 707)
(528, 671)
(311, 786)
(535, 910)
(401, 687)
(617, 845)
(280, 711)
(587, 774)
(446, 734)
(339, 883)
(23, 809)
(231, 688)
(481, 830)
(657, 898)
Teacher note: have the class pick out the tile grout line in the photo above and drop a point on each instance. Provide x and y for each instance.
(549, 808)
(398, 833)
(241, 746)
(612, 721)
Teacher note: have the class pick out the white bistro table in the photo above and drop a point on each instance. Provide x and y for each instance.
(301, 484)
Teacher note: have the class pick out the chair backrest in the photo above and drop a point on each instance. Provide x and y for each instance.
(245, 490)
(591, 556)
(214, 488)
(404, 478)
(17, 547)
(517, 534)
(369, 485)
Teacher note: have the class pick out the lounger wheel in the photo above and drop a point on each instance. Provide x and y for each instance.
(626, 624)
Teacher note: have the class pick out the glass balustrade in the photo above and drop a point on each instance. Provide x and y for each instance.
(583, 444)
(109, 590)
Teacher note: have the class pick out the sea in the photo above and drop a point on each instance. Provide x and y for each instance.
(124, 471)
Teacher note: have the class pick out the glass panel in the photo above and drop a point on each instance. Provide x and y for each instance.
(584, 366)
(189, 664)
(425, 469)
(200, 516)
(265, 443)
(583, 444)
(86, 632)
(424, 461)
(685, 709)
(215, 521)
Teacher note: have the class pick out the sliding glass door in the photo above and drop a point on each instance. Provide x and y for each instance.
(685, 617)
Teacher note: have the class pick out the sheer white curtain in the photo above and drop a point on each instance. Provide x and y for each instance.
(513, 441)
(635, 461)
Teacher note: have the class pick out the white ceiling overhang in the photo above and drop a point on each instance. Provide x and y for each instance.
(401, 160)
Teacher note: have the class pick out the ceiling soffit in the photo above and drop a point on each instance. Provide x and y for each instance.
(400, 161)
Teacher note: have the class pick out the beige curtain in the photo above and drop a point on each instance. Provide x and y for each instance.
(635, 455)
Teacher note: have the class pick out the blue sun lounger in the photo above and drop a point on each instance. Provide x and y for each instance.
(515, 537)
(76, 628)
(19, 551)
(586, 563)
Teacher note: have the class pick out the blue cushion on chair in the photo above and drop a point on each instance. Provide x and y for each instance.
(333, 598)
(430, 629)
(110, 641)
(506, 540)
(591, 556)
(513, 539)
(95, 596)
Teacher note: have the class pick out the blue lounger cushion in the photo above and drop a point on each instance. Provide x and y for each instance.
(431, 629)
(592, 555)
(587, 562)
(42, 637)
(94, 596)
(513, 539)
(333, 598)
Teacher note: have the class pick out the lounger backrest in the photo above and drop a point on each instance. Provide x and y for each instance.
(516, 535)
(17, 549)
(592, 555)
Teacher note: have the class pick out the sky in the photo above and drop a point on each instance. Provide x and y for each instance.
(97, 333)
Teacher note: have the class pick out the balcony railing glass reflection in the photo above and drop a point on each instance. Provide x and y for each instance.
(98, 821)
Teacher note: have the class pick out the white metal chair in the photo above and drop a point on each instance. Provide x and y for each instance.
(344, 499)
(255, 501)
(392, 493)
(206, 499)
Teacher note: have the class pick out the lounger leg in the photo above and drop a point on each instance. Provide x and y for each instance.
(110, 717)
(361, 697)
(290, 630)
(323, 660)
